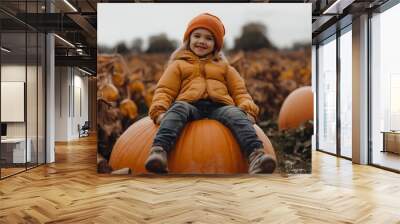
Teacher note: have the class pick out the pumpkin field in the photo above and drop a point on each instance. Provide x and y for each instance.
(126, 84)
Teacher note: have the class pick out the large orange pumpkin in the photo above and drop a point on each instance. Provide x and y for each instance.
(204, 147)
(297, 108)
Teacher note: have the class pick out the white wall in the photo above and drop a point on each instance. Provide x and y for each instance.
(61, 103)
(71, 93)
(80, 102)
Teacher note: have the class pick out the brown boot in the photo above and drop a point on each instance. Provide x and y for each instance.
(157, 161)
(259, 162)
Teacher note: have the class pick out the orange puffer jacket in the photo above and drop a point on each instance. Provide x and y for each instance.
(189, 78)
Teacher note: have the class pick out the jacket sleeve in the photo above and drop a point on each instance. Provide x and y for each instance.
(238, 91)
(166, 91)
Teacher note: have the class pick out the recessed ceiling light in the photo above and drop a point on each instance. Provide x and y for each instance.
(5, 49)
(84, 71)
(64, 40)
(338, 6)
(70, 5)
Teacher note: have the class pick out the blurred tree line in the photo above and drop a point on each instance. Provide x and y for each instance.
(157, 44)
(254, 36)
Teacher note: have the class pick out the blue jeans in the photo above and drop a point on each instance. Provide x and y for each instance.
(232, 117)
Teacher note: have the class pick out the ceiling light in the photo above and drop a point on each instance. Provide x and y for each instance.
(79, 51)
(84, 71)
(5, 49)
(70, 5)
(65, 41)
(338, 6)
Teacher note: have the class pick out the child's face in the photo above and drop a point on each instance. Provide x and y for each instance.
(201, 42)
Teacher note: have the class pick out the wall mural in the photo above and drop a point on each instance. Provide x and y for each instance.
(200, 89)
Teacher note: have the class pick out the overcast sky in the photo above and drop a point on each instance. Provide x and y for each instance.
(286, 23)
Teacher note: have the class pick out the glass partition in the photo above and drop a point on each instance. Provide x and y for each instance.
(31, 97)
(346, 93)
(327, 96)
(22, 88)
(33, 72)
(385, 89)
(14, 151)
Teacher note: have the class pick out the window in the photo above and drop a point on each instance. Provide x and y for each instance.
(327, 96)
(346, 93)
(385, 88)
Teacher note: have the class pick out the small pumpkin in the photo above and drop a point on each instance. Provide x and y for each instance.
(128, 109)
(204, 147)
(135, 76)
(288, 74)
(119, 66)
(136, 86)
(109, 92)
(119, 71)
(118, 79)
(297, 108)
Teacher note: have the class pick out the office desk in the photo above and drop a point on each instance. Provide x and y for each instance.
(13, 150)
(391, 141)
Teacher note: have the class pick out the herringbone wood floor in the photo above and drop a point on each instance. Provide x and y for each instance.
(70, 191)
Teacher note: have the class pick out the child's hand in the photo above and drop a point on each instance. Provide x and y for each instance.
(251, 118)
(159, 118)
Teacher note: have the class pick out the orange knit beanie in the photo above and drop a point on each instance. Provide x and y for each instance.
(210, 22)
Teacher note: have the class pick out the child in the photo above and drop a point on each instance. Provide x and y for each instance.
(198, 83)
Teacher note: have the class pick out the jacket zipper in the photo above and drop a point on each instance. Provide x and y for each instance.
(202, 74)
